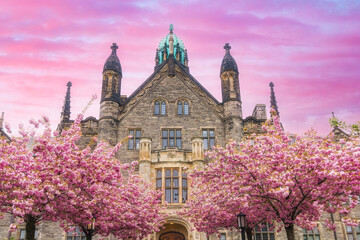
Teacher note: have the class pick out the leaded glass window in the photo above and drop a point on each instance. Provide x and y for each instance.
(171, 138)
(353, 233)
(163, 108)
(263, 232)
(134, 141)
(208, 136)
(175, 184)
(157, 108)
(183, 108)
(76, 234)
(180, 108)
(313, 234)
(184, 187)
(186, 108)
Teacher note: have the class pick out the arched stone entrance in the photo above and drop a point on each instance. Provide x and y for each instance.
(174, 229)
(172, 236)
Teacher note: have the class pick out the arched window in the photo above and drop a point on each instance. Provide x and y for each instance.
(157, 108)
(163, 108)
(186, 108)
(179, 108)
(183, 108)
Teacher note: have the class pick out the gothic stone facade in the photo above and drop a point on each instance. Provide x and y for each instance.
(173, 120)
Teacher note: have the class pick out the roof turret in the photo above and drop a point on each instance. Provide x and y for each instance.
(228, 62)
(113, 62)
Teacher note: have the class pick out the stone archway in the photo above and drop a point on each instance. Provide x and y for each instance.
(172, 236)
(173, 231)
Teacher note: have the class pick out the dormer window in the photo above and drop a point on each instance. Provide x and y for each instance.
(160, 108)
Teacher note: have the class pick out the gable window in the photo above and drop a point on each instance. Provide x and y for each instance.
(186, 108)
(76, 234)
(171, 138)
(180, 108)
(134, 142)
(263, 232)
(173, 184)
(163, 108)
(208, 136)
(157, 108)
(183, 108)
(160, 108)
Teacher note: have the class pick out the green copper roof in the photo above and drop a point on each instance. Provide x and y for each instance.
(177, 40)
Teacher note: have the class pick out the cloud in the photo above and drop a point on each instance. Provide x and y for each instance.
(309, 49)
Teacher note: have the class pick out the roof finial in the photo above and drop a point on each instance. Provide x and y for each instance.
(114, 47)
(273, 103)
(227, 47)
(171, 28)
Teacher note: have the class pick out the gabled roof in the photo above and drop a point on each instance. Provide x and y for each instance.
(183, 73)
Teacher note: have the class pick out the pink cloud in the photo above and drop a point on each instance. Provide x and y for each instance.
(309, 49)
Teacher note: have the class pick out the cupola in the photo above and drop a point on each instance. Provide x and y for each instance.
(171, 45)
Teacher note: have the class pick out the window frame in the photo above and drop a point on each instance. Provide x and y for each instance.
(354, 233)
(171, 141)
(208, 138)
(311, 233)
(77, 233)
(172, 180)
(160, 107)
(264, 230)
(24, 230)
(135, 139)
(183, 107)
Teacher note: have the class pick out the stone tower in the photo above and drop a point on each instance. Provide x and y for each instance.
(110, 98)
(230, 87)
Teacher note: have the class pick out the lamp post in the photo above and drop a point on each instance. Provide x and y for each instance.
(90, 228)
(241, 224)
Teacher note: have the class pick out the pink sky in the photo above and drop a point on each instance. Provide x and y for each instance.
(310, 49)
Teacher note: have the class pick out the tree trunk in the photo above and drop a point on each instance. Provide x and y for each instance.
(290, 232)
(30, 227)
(88, 234)
(249, 233)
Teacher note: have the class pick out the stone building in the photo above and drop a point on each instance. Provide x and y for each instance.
(173, 119)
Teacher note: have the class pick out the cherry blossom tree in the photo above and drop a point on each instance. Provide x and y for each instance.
(273, 178)
(58, 181)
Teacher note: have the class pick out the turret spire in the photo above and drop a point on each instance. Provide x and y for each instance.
(273, 103)
(112, 75)
(65, 114)
(229, 75)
